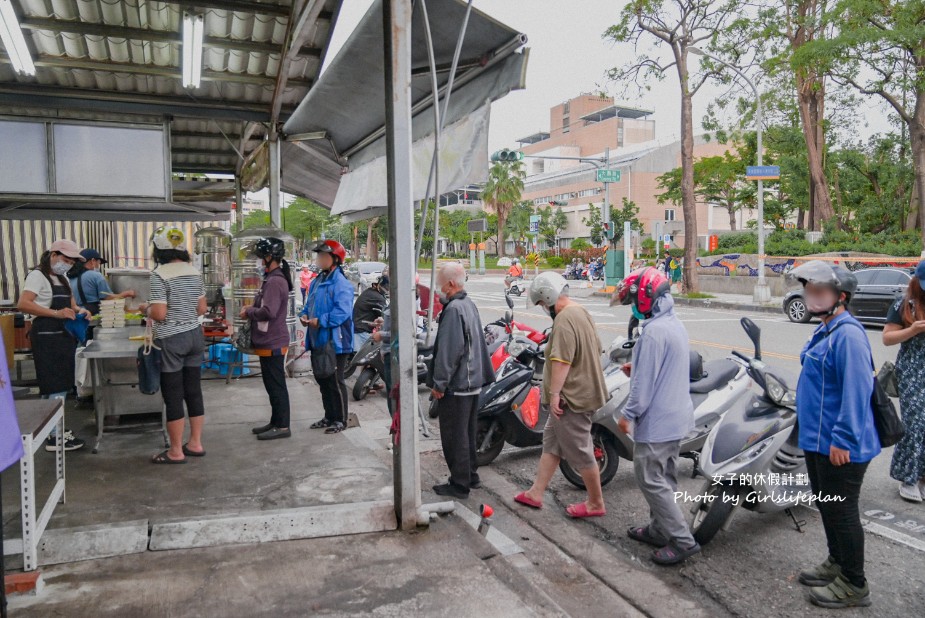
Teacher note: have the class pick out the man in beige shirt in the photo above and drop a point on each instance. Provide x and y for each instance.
(573, 388)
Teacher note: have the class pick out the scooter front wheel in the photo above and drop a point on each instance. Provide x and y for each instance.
(605, 452)
(713, 512)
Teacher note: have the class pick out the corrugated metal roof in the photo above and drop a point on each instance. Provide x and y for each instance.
(106, 58)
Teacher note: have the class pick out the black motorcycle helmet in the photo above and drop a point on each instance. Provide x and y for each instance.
(270, 247)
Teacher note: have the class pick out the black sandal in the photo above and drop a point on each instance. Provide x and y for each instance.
(642, 534)
(336, 428)
(322, 424)
(163, 458)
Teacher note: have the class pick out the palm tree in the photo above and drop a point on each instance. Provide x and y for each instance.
(503, 189)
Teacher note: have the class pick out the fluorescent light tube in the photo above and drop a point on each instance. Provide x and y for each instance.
(192, 50)
(14, 41)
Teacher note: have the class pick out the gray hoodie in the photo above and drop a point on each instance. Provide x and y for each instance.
(659, 401)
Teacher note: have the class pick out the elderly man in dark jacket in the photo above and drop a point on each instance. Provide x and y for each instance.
(461, 368)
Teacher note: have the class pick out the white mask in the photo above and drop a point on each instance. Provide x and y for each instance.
(260, 267)
(60, 268)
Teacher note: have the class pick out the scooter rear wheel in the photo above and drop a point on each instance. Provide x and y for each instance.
(711, 514)
(364, 384)
(605, 452)
(485, 456)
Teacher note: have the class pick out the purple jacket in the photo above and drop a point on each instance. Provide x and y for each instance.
(268, 313)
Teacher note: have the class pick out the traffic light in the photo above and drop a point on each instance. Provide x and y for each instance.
(506, 155)
(608, 229)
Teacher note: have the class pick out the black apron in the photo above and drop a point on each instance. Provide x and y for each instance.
(53, 348)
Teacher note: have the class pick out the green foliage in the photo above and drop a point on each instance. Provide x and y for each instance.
(595, 225)
(788, 243)
(580, 244)
(502, 192)
(554, 261)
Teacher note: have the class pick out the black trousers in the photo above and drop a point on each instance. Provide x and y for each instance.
(273, 372)
(334, 392)
(458, 419)
(841, 517)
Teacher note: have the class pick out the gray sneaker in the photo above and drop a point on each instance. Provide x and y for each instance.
(910, 492)
(821, 575)
(839, 594)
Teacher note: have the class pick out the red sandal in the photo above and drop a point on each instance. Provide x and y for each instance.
(526, 500)
(580, 511)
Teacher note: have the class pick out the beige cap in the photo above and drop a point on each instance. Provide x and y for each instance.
(67, 248)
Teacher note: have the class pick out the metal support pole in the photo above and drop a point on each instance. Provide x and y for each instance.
(605, 208)
(239, 203)
(275, 195)
(627, 248)
(762, 290)
(396, 23)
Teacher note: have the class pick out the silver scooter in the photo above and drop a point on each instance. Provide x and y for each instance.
(751, 458)
(715, 386)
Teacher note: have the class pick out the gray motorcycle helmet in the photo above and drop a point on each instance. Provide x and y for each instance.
(823, 273)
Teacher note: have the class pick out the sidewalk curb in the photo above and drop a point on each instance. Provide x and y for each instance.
(639, 587)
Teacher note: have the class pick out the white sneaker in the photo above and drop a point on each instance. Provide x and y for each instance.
(922, 488)
(910, 492)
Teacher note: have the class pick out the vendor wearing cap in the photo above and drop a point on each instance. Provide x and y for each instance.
(89, 285)
(47, 297)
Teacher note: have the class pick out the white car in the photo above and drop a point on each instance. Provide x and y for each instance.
(367, 273)
(505, 262)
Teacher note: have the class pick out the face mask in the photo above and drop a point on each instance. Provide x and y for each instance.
(260, 267)
(820, 305)
(60, 268)
(551, 311)
(638, 314)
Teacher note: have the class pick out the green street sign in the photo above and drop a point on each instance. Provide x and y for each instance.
(608, 175)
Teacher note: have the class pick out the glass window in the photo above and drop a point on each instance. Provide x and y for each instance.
(865, 277)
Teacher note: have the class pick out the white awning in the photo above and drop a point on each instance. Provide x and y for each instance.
(340, 125)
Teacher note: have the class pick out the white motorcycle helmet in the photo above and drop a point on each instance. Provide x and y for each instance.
(546, 290)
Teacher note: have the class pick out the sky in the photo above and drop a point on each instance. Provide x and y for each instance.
(568, 57)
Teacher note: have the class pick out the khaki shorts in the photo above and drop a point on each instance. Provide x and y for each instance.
(569, 438)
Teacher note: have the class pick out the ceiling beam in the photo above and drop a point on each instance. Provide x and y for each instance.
(121, 103)
(297, 31)
(203, 152)
(241, 6)
(157, 71)
(206, 135)
(200, 168)
(157, 36)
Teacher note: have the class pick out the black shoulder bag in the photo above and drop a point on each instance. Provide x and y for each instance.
(889, 425)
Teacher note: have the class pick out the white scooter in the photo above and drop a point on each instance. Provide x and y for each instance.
(752, 458)
(715, 386)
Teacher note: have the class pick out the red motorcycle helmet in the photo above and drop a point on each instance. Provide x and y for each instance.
(334, 248)
(643, 287)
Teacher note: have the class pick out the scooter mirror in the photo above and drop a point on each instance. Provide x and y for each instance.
(507, 299)
(508, 317)
(628, 345)
(754, 333)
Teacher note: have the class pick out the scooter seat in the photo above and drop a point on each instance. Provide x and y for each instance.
(719, 372)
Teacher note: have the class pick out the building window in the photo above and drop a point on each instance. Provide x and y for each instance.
(620, 135)
(669, 214)
(565, 122)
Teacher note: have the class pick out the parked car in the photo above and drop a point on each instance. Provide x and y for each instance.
(364, 274)
(878, 289)
(504, 262)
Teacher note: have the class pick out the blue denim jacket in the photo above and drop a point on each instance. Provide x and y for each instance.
(330, 299)
(834, 390)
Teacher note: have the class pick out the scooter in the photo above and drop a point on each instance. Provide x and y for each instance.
(595, 271)
(509, 409)
(496, 348)
(715, 386)
(752, 457)
(517, 287)
(370, 358)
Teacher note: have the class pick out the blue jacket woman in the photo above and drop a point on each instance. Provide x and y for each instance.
(330, 300)
(836, 429)
(328, 313)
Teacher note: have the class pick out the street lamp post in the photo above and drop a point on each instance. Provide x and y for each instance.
(762, 291)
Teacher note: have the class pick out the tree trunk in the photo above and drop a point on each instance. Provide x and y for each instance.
(917, 137)
(732, 216)
(688, 199)
(502, 219)
(372, 241)
(356, 241)
(800, 217)
(809, 104)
